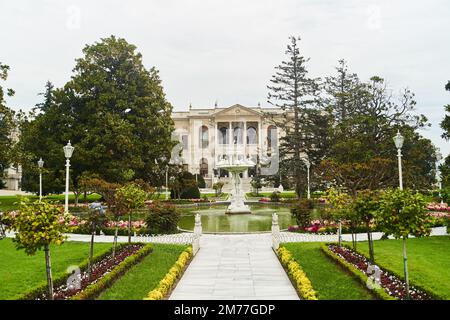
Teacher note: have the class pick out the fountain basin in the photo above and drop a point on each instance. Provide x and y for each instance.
(215, 220)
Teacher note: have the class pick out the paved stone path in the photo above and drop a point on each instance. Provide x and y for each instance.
(231, 267)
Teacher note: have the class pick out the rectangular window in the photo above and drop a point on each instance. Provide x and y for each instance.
(184, 141)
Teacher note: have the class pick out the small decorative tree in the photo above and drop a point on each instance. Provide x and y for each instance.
(365, 206)
(129, 198)
(218, 188)
(339, 202)
(403, 213)
(302, 212)
(37, 225)
(96, 218)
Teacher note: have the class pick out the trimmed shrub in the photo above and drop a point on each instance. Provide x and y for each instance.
(190, 193)
(162, 218)
(106, 281)
(275, 196)
(297, 275)
(175, 272)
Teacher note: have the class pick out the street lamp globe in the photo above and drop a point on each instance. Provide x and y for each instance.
(398, 140)
(40, 163)
(68, 150)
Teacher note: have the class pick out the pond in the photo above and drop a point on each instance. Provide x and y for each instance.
(214, 219)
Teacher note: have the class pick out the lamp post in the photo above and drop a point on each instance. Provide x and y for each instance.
(68, 150)
(438, 173)
(40, 165)
(305, 159)
(398, 140)
(167, 181)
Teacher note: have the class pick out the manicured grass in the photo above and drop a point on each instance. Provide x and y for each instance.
(20, 272)
(145, 276)
(428, 261)
(329, 280)
(12, 202)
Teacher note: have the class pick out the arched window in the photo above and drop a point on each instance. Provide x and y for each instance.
(223, 135)
(237, 135)
(271, 137)
(252, 137)
(204, 137)
(204, 167)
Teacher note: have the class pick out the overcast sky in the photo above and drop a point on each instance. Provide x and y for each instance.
(226, 50)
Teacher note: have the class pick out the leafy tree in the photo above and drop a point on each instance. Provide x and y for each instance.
(445, 124)
(403, 213)
(365, 206)
(339, 203)
(129, 198)
(113, 110)
(37, 225)
(6, 125)
(304, 126)
(184, 186)
(218, 188)
(162, 218)
(366, 115)
(302, 211)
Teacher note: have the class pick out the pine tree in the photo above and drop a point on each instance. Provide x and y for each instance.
(297, 95)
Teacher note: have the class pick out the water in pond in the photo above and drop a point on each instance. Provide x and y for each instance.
(214, 219)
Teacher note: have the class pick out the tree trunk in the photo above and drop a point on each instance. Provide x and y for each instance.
(48, 267)
(370, 241)
(339, 234)
(405, 268)
(91, 255)
(129, 228)
(85, 197)
(115, 242)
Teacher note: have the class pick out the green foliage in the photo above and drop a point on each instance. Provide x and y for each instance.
(302, 212)
(162, 218)
(445, 124)
(6, 126)
(37, 225)
(184, 186)
(115, 113)
(275, 196)
(403, 213)
(218, 188)
(130, 197)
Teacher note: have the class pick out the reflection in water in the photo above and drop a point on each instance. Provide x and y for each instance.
(214, 219)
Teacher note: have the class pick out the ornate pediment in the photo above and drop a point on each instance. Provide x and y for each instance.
(237, 110)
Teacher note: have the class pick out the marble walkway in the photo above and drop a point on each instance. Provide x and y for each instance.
(235, 267)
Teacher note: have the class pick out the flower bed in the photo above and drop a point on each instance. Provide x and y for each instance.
(438, 207)
(167, 283)
(296, 274)
(392, 284)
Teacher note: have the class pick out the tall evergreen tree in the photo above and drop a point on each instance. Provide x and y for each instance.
(303, 124)
(445, 125)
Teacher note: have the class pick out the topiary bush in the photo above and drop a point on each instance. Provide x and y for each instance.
(190, 193)
(162, 218)
(275, 196)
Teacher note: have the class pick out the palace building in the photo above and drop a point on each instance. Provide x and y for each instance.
(211, 134)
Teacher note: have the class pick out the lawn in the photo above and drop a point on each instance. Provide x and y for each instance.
(428, 261)
(11, 202)
(329, 280)
(19, 272)
(144, 277)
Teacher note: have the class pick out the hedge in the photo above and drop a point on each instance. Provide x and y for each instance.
(42, 288)
(400, 276)
(380, 293)
(297, 275)
(169, 280)
(94, 290)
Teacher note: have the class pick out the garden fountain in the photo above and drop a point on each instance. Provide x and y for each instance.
(235, 166)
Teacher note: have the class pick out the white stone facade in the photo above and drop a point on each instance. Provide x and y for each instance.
(209, 134)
